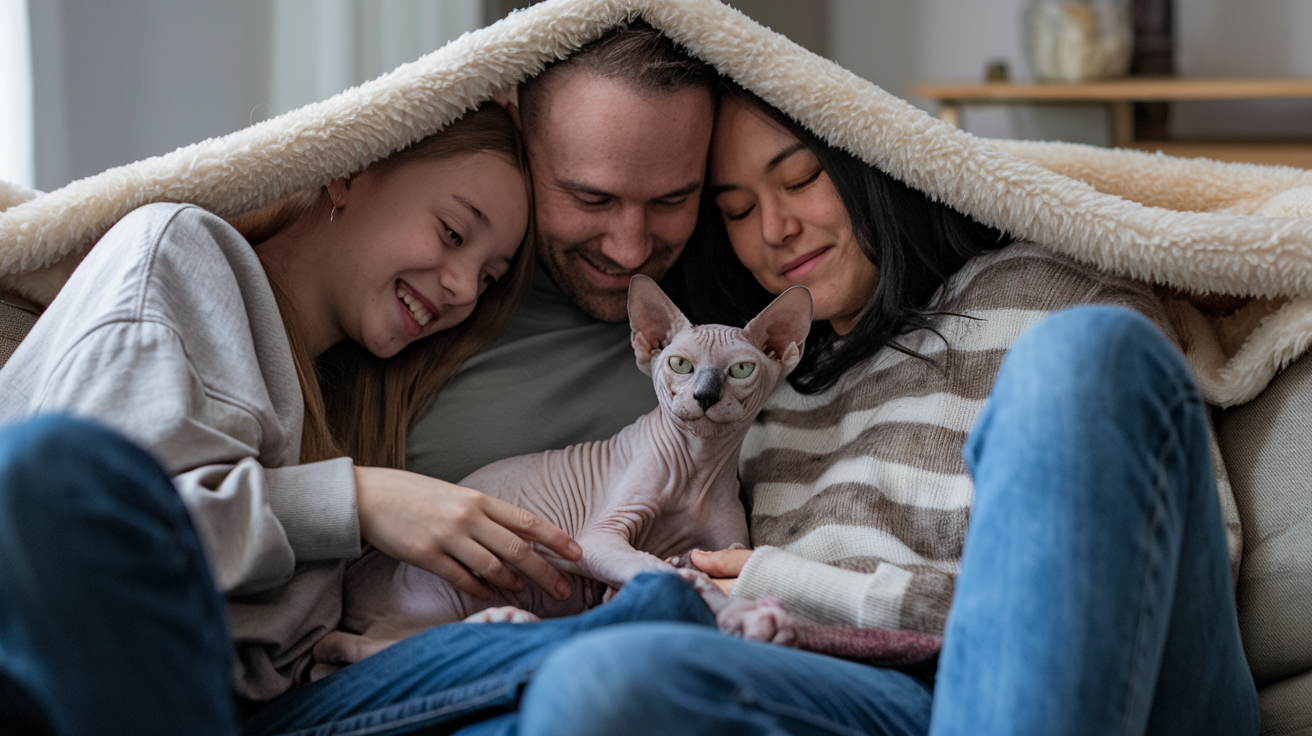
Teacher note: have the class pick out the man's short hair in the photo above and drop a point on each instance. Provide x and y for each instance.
(635, 53)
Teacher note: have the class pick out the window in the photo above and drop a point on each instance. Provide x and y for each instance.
(16, 144)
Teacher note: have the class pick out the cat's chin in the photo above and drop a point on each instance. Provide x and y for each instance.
(703, 426)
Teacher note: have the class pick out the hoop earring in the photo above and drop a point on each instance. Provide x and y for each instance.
(332, 214)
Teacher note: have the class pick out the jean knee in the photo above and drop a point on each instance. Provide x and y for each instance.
(50, 466)
(607, 681)
(1087, 353)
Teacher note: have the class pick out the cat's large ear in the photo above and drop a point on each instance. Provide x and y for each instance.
(654, 319)
(780, 329)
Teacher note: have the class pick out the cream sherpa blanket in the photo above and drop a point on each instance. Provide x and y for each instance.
(1194, 227)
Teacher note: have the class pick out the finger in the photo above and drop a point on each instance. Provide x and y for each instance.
(455, 573)
(531, 527)
(725, 584)
(476, 556)
(727, 563)
(518, 553)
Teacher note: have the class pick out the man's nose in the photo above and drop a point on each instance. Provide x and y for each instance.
(778, 223)
(629, 242)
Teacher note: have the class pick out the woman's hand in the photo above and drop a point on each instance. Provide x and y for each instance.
(460, 535)
(724, 566)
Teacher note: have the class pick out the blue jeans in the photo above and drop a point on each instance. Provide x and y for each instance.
(1094, 597)
(110, 622)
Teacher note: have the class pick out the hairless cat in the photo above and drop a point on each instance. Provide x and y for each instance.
(638, 502)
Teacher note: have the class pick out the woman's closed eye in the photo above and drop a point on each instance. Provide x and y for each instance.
(737, 216)
(810, 178)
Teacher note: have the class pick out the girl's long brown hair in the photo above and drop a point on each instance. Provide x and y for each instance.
(357, 404)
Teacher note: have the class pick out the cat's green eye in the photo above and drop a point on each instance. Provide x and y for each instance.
(741, 370)
(680, 365)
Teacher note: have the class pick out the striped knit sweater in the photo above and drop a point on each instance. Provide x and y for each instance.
(859, 495)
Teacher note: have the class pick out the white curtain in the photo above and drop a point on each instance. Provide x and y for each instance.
(321, 47)
(16, 145)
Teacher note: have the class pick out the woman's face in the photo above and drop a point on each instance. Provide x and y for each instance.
(418, 243)
(785, 219)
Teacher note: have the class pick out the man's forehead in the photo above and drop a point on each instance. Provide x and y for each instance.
(596, 128)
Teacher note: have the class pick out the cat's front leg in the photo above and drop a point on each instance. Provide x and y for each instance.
(612, 560)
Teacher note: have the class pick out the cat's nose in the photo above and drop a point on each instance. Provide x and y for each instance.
(709, 386)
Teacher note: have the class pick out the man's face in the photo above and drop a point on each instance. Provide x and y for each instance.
(617, 173)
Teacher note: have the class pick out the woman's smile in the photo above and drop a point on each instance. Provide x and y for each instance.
(798, 268)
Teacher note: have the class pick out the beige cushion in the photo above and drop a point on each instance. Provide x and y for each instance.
(15, 323)
(1267, 445)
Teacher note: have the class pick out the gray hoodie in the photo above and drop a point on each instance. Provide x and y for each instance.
(168, 331)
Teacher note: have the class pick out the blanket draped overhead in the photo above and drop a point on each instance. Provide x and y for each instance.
(1198, 229)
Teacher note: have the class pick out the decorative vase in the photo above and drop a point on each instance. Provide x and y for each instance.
(1077, 40)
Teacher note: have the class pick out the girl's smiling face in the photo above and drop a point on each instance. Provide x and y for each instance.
(785, 218)
(414, 246)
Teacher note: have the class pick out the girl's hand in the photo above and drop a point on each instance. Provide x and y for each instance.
(724, 566)
(460, 535)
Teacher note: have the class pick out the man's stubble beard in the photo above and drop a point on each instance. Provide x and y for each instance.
(564, 266)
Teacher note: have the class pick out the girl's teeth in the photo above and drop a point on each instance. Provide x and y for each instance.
(417, 309)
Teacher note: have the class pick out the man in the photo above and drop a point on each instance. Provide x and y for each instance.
(617, 138)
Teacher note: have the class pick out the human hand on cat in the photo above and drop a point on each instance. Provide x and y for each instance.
(723, 566)
(461, 535)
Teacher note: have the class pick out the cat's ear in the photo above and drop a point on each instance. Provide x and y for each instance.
(780, 329)
(654, 319)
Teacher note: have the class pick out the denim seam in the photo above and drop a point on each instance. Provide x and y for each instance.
(747, 699)
(470, 704)
(1155, 570)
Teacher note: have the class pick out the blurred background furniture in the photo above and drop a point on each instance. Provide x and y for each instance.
(1119, 95)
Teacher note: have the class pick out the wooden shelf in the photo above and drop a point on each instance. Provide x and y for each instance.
(1119, 95)
(1136, 89)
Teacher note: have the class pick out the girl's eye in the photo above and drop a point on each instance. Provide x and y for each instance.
(453, 235)
(680, 365)
(813, 176)
(741, 370)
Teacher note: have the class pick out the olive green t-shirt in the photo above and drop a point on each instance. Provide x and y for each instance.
(557, 377)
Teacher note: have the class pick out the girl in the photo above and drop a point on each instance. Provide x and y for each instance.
(274, 385)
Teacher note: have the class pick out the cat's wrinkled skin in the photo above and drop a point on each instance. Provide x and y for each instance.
(664, 485)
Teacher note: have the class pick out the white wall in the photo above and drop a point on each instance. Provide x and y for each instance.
(1257, 38)
(897, 43)
(118, 81)
(123, 80)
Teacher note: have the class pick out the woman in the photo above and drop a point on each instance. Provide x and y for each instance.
(254, 376)
(1092, 593)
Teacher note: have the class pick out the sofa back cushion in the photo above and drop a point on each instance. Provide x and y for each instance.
(1267, 447)
(15, 322)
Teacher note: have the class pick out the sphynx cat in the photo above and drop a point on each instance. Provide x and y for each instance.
(665, 485)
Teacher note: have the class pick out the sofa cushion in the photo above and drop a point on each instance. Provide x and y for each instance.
(1267, 446)
(15, 322)
(1285, 706)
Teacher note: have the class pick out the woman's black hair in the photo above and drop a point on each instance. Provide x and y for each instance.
(914, 241)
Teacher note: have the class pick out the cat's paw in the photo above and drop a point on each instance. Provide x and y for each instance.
(759, 620)
(683, 561)
(503, 615)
